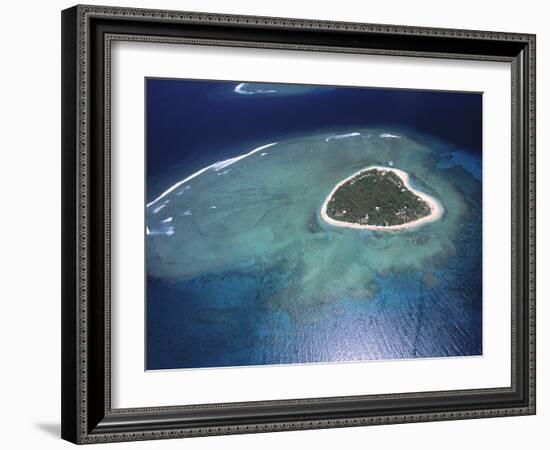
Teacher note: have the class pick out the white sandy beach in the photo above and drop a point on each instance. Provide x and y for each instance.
(435, 207)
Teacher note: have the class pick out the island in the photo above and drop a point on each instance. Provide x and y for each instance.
(379, 198)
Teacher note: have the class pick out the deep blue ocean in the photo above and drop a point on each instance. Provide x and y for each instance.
(213, 123)
(253, 301)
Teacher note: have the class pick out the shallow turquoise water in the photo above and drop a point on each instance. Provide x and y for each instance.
(242, 271)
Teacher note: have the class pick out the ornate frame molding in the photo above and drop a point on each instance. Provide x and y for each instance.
(87, 422)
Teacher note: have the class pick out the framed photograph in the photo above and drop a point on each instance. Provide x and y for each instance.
(279, 224)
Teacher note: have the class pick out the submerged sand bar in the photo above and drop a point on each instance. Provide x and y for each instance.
(436, 209)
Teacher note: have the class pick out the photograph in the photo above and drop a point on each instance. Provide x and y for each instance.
(273, 222)
(302, 224)
(285, 225)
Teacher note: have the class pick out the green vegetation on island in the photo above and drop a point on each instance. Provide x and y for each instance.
(378, 198)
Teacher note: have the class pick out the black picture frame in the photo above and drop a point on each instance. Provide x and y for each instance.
(87, 415)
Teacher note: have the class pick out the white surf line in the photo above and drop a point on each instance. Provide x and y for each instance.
(159, 207)
(216, 166)
(389, 135)
(240, 89)
(436, 209)
(341, 136)
(168, 231)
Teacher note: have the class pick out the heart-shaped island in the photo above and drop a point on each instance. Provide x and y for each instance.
(379, 198)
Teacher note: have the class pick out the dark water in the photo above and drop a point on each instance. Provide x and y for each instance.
(191, 124)
(263, 308)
